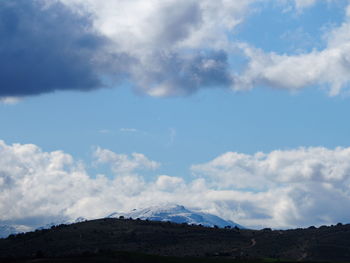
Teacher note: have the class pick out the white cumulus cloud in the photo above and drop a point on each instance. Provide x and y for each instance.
(291, 188)
(178, 47)
(122, 163)
(162, 47)
(173, 47)
(329, 67)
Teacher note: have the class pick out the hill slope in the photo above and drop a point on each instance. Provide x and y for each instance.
(111, 236)
(165, 213)
(6, 230)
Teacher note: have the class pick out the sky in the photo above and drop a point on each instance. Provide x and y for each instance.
(236, 108)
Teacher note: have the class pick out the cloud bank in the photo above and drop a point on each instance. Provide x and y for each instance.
(163, 48)
(300, 187)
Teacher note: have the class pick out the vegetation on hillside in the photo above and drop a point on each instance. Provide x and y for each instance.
(127, 240)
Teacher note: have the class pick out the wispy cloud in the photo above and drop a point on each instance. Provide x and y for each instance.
(172, 136)
(104, 131)
(128, 130)
(9, 100)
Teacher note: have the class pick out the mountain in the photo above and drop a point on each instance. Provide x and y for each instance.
(176, 214)
(6, 230)
(64, 222)
(130, 241)
(172, 213)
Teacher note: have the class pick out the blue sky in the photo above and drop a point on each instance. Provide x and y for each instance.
(290, 32)
(198, 89)
(178, 132)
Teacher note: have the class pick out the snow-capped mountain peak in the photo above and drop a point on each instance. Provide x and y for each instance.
(170, 212)
(177, 214)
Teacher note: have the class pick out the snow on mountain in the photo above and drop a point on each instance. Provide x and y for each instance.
(6, 230)
(176, 214)
(60, 222)
(173, 213)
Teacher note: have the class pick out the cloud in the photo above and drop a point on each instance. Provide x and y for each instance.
(163, 48)
(301, 187)
(121, 163)
(326, 68)
(128, 130)
(177, 46)
(193, 71)
(169, 183)
(329, 67)
(300, 4)
(9, 100)
(319, 165)
(104, 131)
(46, 47)
(172, 136)
(296, 187)
(139, 26)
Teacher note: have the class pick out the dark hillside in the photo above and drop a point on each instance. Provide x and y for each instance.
(124, 240)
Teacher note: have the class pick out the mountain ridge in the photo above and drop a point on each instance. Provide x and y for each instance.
(177, 214)
(104, 238)
(6, 230)
(165, 213)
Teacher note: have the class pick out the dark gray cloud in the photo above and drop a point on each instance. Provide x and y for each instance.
(178, 23)
(44, 48)
(177, 74)
(163, 48)
(49, 45)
